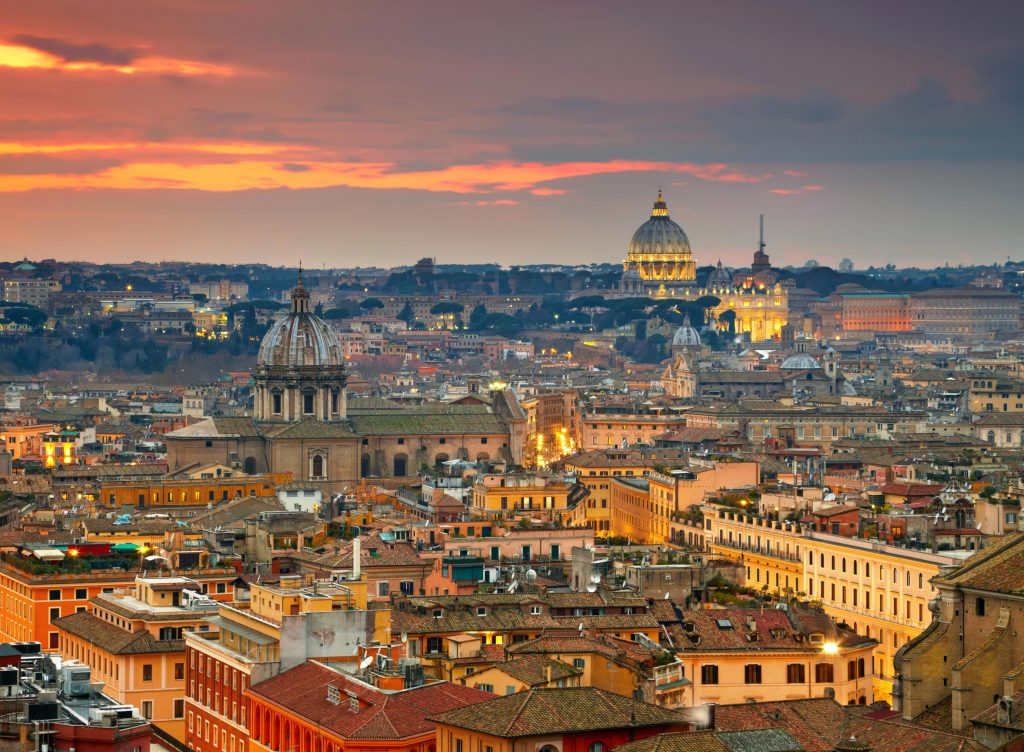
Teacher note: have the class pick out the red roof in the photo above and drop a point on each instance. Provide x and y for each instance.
(302, 691)
(911, 489)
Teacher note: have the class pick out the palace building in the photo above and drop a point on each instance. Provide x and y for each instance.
(659, 264)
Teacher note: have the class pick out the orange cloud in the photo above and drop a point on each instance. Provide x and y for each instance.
(794, 173)
(23, 56)
(812, 188)
(249, 166)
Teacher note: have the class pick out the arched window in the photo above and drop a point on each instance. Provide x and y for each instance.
(401, 463)
(317, 466)
(597, 747)
(275, 398)
(335, 401)
(307, 403)
(860, 668)
(249, 465)
(991, 436)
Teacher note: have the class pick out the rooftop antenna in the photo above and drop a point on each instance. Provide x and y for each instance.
(760, 242)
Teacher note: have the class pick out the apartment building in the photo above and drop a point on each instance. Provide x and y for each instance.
(880, 591)
(285, 623)
(134, 642)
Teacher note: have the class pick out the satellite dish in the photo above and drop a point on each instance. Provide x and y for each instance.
(595, 578)
(154, 557)
(365, 663)
(581, 626)
(405, 637)
(531, 575)
(591, 588)
(666, 596)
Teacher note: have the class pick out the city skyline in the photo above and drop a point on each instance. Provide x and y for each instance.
(526, 134)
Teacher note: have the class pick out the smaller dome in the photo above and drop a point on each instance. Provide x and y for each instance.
(720, 276)
(631, 274)
(799, 362)
(686, 335)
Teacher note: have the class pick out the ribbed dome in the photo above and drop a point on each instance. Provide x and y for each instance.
(720, 277)
(660, 250)
(800, 361)
(300, 339)
(659, 235)
(686, 335)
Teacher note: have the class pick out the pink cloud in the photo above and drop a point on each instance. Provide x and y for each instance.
(784, 191)
(812, 188)
(549, 191)
(794, 173)
(484, 202)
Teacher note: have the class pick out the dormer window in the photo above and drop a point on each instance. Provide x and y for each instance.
(481, 611)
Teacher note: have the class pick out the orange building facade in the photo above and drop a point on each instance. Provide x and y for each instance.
(189, 492)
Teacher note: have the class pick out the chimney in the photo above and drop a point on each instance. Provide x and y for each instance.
(548, 672)
(357, 553)
(711, 716)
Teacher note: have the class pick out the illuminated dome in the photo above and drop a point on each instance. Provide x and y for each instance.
(300, 339)
(799, 362)
(686, 335)
(660, 249)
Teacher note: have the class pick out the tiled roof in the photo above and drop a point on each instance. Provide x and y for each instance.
(758, 740)
(101, 525)
(998, 568)
(429, 419)
(400, 715)
(114, 640)
(729, 629)
(819, 724)
(532, 670)
(308, 429)
(556, 711)
(375, 552)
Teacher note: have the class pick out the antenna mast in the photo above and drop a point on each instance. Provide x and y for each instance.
(760, 242)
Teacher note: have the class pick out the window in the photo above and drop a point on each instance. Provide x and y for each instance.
(481, 610)
(179, 671)
(317, 470)
(709, 674)
(406, 586)
(486, 687)
(752, 673)
(596, 747)
(147, 709)
(579, 662)
(55, 595)
(383, 589)
(147, 673)
(81, 594)
(277, 403)
(795, 673)
(307, 403)
(179, 708)
(979, 606)
(433, 644)
(54, 613)
(823, 673)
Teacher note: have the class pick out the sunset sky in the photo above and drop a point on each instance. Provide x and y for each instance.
(375, 133)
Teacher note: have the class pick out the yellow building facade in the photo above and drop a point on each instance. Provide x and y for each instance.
(879, 591)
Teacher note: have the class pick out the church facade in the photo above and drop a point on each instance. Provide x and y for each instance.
(659, 264)
(304, 423)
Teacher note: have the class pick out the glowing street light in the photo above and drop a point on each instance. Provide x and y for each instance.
(830, 648)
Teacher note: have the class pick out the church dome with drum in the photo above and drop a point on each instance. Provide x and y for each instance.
(303, 423)
(660, 264)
